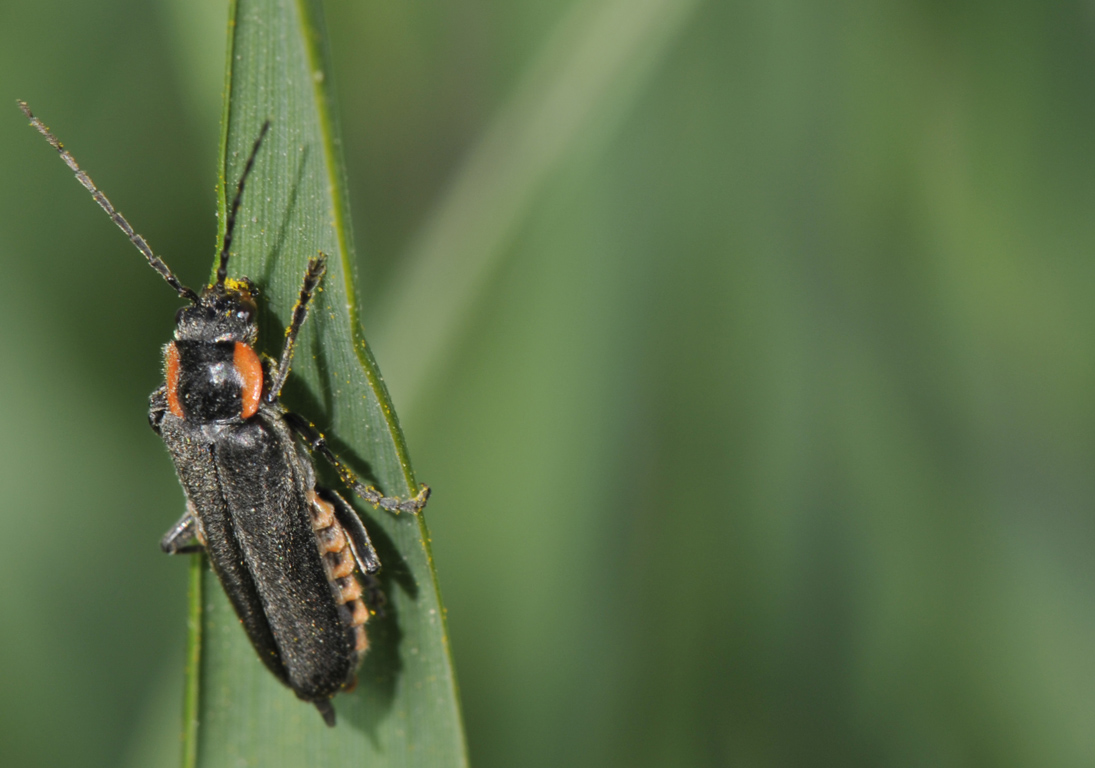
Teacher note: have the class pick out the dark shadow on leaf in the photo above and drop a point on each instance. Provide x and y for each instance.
(395, 569)
(271, 261)
(319, 350)
(367, 706)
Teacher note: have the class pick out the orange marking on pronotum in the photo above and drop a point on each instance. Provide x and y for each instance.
(250, 371)
(171, 358)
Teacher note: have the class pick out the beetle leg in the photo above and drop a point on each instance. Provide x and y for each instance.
(157, 408)
(184, 536)
(360, 545)
(316, 268)
(318, 443)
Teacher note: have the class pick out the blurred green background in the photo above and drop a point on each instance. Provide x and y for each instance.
(760, 418)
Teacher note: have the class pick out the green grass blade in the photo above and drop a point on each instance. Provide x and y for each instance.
(192, 689)
(580, 84)
(404, 711)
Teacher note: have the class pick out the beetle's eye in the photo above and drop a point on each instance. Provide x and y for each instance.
(179, 315)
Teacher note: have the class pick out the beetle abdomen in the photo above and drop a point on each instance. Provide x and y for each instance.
(338, 561)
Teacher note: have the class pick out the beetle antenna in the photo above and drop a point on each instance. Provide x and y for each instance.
(222, 268)
(153, 260)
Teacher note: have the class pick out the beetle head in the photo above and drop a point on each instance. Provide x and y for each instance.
(225, 312)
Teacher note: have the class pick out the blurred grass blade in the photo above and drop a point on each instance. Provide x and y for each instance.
(404, 711)
(587, 73)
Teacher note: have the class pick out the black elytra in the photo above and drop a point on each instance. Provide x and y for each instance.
(290, 554)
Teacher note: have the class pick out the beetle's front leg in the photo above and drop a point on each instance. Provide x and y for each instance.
(157, 408)
(316, 268)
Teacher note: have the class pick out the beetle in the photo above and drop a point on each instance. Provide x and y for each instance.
(288, 551)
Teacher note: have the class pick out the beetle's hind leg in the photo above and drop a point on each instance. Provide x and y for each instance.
(318, 443)
(185, 536)
(364, 553)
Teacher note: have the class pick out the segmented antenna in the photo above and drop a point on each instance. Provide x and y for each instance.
(230, 225)
(153, 260)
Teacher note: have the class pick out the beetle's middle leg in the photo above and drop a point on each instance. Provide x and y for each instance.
(184, 536)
